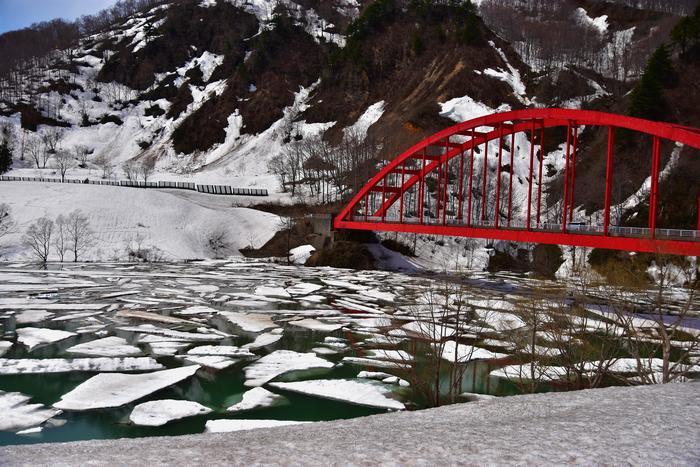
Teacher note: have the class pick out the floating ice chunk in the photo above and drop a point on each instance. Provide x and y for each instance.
(300, 255)
(379, 375)
(464, 353)
(263, 340)
(166, 349)
(5, 346)
(225, 426)
(316, 325)
(355, 306)
(18, 414)
(215, 362)
(178, 335)
(303, 288)
(147, 316)
(34, 337)
(380, 339)
(110, 390)
(205, 288)
(378, 294)
(359, 392)
(375, 363)
(249, 322)
(25, 366)
(76, 316)
(112, 346)
(432, 331)
(258, 398)
(158, 413)
(33, 316)
(325, 351)
(343, 284)
(196, 310)
(280, 362)
(31, 431)
(390, 355)
(267, 291)
(222, 350)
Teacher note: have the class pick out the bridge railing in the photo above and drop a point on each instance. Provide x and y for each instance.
(583, 229)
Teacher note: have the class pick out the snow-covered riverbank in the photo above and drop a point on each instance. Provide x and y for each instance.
(648, 425)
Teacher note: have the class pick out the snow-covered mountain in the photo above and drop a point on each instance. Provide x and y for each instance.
(213, 91)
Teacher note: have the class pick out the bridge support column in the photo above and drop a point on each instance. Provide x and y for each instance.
(446, 179)
(608, 180)
(573, 174)
(471, 179)
(654, 194)
(421, 188)
(512, 169)
(460, 200)
(565, 198)
(497, 211)
(483, 189)
(529, 187)
(539, 175)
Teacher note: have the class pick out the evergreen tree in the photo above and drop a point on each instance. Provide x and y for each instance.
(686, 34)
(5, 157)
(647, 99)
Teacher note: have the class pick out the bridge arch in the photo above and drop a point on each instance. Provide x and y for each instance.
(443, 185)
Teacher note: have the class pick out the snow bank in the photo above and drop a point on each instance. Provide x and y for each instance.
(225, 426)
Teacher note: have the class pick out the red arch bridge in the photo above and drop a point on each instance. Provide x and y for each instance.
(442, 186)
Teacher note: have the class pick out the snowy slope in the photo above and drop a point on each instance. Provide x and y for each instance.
(177, 226)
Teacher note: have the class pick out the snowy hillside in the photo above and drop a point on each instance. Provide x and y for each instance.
(125, 219)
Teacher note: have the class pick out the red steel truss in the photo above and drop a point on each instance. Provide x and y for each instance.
(435, 186)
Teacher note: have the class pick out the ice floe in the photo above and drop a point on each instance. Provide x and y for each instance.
(33, 316)
(107, 347)
(279, 362)
(34, 337)
(250, 322)
(453, 351)
(263, 340)
(5, 346)
(109, 390)
(181, 335)
(222, 350)
(158, 413)
(215, 362)
(316, 325)
(359, 392)
(25, 366)
(18, 414)
(258, 398)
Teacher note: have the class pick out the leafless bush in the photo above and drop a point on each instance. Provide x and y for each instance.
(218, 242)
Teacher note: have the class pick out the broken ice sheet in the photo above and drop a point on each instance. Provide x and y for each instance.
(279, 362)
(107, 347)
(108, 390)
(35, 337)
(258, 398)
(25, 366)
(18, 414)
(359, 392)
(158, 413)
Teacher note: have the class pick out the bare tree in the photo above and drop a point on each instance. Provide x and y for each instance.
(287, 225)
(80, 236)
(60, 240)
(218, 242)
(50, 136)
(7, 223)
(130, 170)
(146, 168)
(106, 165)
(38, 238)
(35, 148)
(82, 154)
(63, 161)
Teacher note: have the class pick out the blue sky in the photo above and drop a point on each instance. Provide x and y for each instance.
(16, 14)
